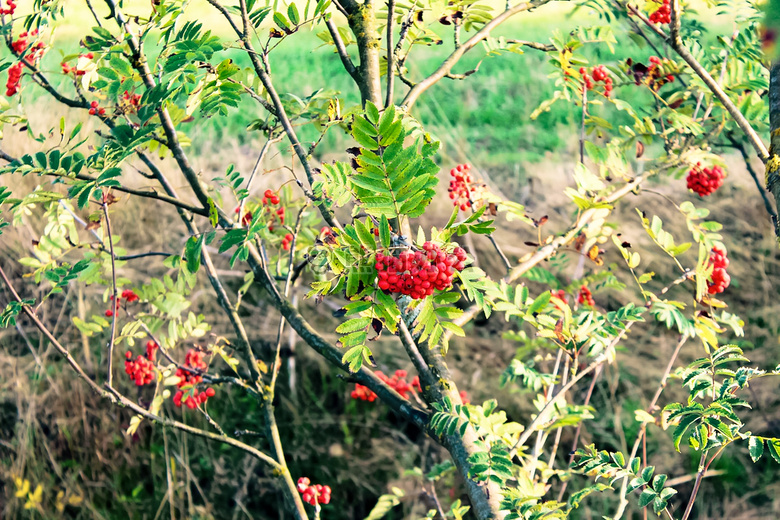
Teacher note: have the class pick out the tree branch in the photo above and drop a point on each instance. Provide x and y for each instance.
(675, 41)
(457, 54)
(548, 250)
(342, 50)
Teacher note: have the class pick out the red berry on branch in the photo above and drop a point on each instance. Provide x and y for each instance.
(584, 297)
(705, 181)
(720, 279)
(141, 371)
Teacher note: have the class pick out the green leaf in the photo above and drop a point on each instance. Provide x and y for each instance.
(646, 498)
(384, 231)
(756, 448)
(355, 357)
(372, 112)
(192, 251)
(773, 445)
(353, 325)
(292, 13)
(540, 302)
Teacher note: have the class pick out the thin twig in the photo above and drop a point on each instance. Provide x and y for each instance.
(277, 355)
(390, 54)
(114, 298)
(651, 406)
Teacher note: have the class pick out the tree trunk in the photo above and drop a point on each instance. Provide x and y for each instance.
(362, 21)
(773, 164)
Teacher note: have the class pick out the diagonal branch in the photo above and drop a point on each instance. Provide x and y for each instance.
(675, 41)
(548, 250)
(342, 50)
(457, 54)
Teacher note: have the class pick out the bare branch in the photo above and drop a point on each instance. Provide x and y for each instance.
(114, 295)
(342, 50)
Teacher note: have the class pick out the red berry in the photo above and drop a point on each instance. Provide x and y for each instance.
(705, 181)
(109, 313)
(584, 297)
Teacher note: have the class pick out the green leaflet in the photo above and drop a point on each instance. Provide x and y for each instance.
(390, 180)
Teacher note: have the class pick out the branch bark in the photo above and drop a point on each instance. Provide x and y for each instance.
(362, 21)
(773, 164)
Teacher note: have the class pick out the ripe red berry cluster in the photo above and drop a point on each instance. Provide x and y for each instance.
(246, 218)
(585, 297)
(397, 381)
(131, 101)
(418, 273)
(193, 360)
(286, 241)
(460, 186)
(22, 42)
(14, 78)
(141, 371)
(705, 181)
(363, 393)
(720, 278)
(151, 350)
(561, 295)
(271, 199)
(270, 196)
(313, 494)
(10, 9)
(129, 295)
(663, 14)
(94, 109)
(598, 74)
(67, 69)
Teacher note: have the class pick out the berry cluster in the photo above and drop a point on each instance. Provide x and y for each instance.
(187, 378)
(663, 14)
(76, 71)
(128, 295)
(270, 196)
(287, 241)
(461, 186)
(94, 109)
(418, 273)
(272, 199)
(363, 393)
(141, 371)
(598, 74)
(397, 382)
(585, 297)
(21, 43)
(705, 181)
(130, 102)
(313, 494)
(14, 78)
(720, 278)
(151, 350)
(561, 295)
(246, 218)
(10, 9)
